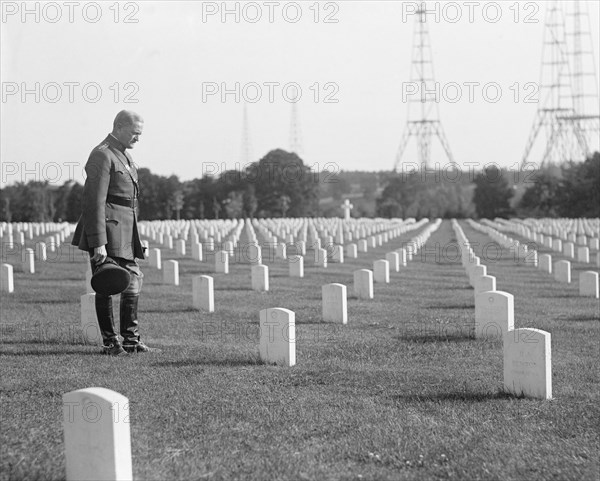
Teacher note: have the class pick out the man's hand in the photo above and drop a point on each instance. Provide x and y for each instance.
(100, 255)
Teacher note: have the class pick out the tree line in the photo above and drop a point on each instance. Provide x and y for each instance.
(569, 190)
(278, 185)
(281, 185)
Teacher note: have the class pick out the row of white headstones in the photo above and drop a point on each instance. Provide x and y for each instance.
(96, 428)
(526, 352)
(588, 280)
(100, 417)
(566, 229)
(334, 295)
(580, 247)
(14, 239)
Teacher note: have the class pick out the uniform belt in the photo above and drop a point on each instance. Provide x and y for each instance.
(124, 201)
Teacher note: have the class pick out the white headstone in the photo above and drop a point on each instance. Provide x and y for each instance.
(228, 247)
(97, 435)
(531, 258)
(6, 278)
(546, 263)
(171, 272)
(337, 254)
(484, 284)
(381, 271)
(28, 261)
(588, 284)
(197, 251)
(557, 245)
(394, 259)
(403, 256)
(362, 245)
(180, 247)
(40, 251)
(321, 257)
(494, 314)
(280, 251)
(296, 266)
(154, 258)
(569, 250)
(528, 363)
(222, 262)
(203, 295)
(278, 336)
(88, 280)
(562, 271)
(260, 278)
(352, 251)
(335, 303)
(253, 254)
(583, 254)
(363, 284)
(90, 330)
(476, 271)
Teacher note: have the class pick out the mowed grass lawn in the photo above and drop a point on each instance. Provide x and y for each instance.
(401, 392)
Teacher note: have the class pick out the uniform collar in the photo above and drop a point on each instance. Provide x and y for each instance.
(114, 142)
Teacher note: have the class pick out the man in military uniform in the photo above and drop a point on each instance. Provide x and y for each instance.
(107, 228)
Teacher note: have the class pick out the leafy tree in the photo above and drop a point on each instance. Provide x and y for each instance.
(492, 194)
(282, 173)
(234, 204)
(338, 185)
(541, 199)
(580, 192)
(73, 203)
(250, 202)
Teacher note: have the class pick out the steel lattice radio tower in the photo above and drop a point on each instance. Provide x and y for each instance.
(246, 149)
(568, 106)
(295, 132)
(425, 123)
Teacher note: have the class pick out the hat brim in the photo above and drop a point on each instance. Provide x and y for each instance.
(110, 279)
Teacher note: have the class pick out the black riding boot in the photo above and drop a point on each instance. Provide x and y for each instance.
(129, 320)
(104, 313)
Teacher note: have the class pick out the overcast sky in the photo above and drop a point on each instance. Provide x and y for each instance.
(68, 67)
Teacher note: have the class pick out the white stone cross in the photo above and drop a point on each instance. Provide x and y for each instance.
(347, 207)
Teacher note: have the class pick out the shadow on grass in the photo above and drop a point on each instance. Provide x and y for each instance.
(211, 362)
(170, 310)
(51, 352)
(423, 339)
(233, 288)
(463, 396)
(559, 296)
(317, 322)
(49, 342)
(51, 301)
(470, 306)
(582, 318)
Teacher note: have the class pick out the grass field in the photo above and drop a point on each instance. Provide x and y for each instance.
(401, 392)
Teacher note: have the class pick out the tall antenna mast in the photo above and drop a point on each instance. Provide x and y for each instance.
(568, 88)
(425, 123)
(295, 132)
(246, 150)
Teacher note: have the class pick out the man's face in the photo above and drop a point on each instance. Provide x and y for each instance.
(128, 135)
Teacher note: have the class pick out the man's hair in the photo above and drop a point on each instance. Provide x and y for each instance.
(126, 117)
